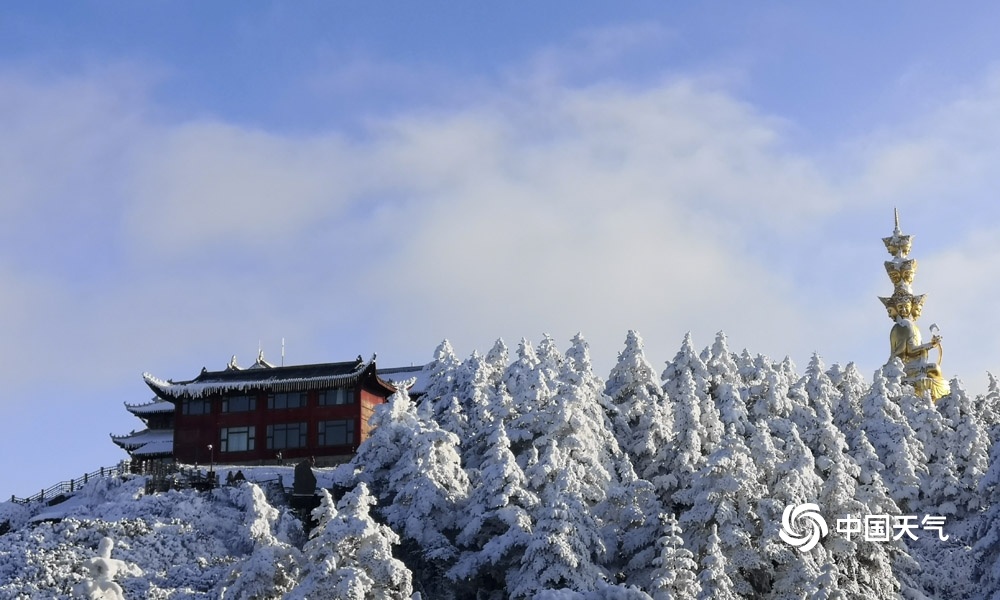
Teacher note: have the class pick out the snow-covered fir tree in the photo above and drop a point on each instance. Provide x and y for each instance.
(715, 581)
(674, 575)
(496, 522)
(566, 547)
(322, 561)
(872, 489)
(827, 584)
(696, 422)
(496, 363)
(989, 409)
(454, 410)
(828, 443)
(640, 419)
(272, 567)
(550, 361)
(797, 484)
(530, 395)
(987, 547)
(440, 376)
(578, 462)
(768, 393)
(481, 401)
(850, 384)
(725, 386)
(814, 397)
(890, 434)
(940, 488)
(723, 496)
(534, 478)
(631, 514)
(416, 468)
(968, 444)
(853, 567)
(349, 555)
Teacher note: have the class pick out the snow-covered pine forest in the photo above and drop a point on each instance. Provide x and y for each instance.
(528, 476)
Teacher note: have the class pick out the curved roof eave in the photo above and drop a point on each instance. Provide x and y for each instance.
(172, 391)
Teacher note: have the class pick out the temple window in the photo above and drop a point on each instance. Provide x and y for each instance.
(196, 407)
(239, 404)
(286, 400)
(336, 433)
(237, 439)
(336, 396)
(286, 435)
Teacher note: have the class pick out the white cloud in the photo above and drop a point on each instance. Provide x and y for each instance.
(63, 137)
(598, 208)
(945, 156)
(962, 283)
(591, 51)
(210, 182)
(539, 208)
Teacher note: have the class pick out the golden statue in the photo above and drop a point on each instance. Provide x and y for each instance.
(904, 309)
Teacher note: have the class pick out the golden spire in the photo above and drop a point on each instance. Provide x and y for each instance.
(904, 309)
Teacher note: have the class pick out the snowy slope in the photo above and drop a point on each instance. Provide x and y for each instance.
(180, 544)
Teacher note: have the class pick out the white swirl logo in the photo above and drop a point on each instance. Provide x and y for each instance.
(795, 519)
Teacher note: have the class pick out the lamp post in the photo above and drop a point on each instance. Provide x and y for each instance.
(211, 455)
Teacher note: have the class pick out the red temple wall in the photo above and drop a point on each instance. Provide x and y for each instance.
(194, 433)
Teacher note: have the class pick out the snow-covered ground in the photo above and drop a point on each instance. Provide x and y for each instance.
(179, 544)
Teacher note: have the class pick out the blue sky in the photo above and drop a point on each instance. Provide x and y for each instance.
(182, 181)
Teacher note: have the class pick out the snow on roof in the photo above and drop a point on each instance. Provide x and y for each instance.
(155, 406)
(139, 439)
(399, 374)
(278, 379)
(155, 448)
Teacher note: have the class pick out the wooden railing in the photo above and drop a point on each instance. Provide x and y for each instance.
(68, 487)
(161, 478)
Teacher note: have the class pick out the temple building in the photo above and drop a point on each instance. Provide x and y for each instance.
(263, 413)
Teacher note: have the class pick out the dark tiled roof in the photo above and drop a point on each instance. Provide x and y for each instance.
(157, 406)
(146, 442)
(278, 379)
(278, 373)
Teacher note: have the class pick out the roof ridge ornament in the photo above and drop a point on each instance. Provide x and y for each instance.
(261, 363)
